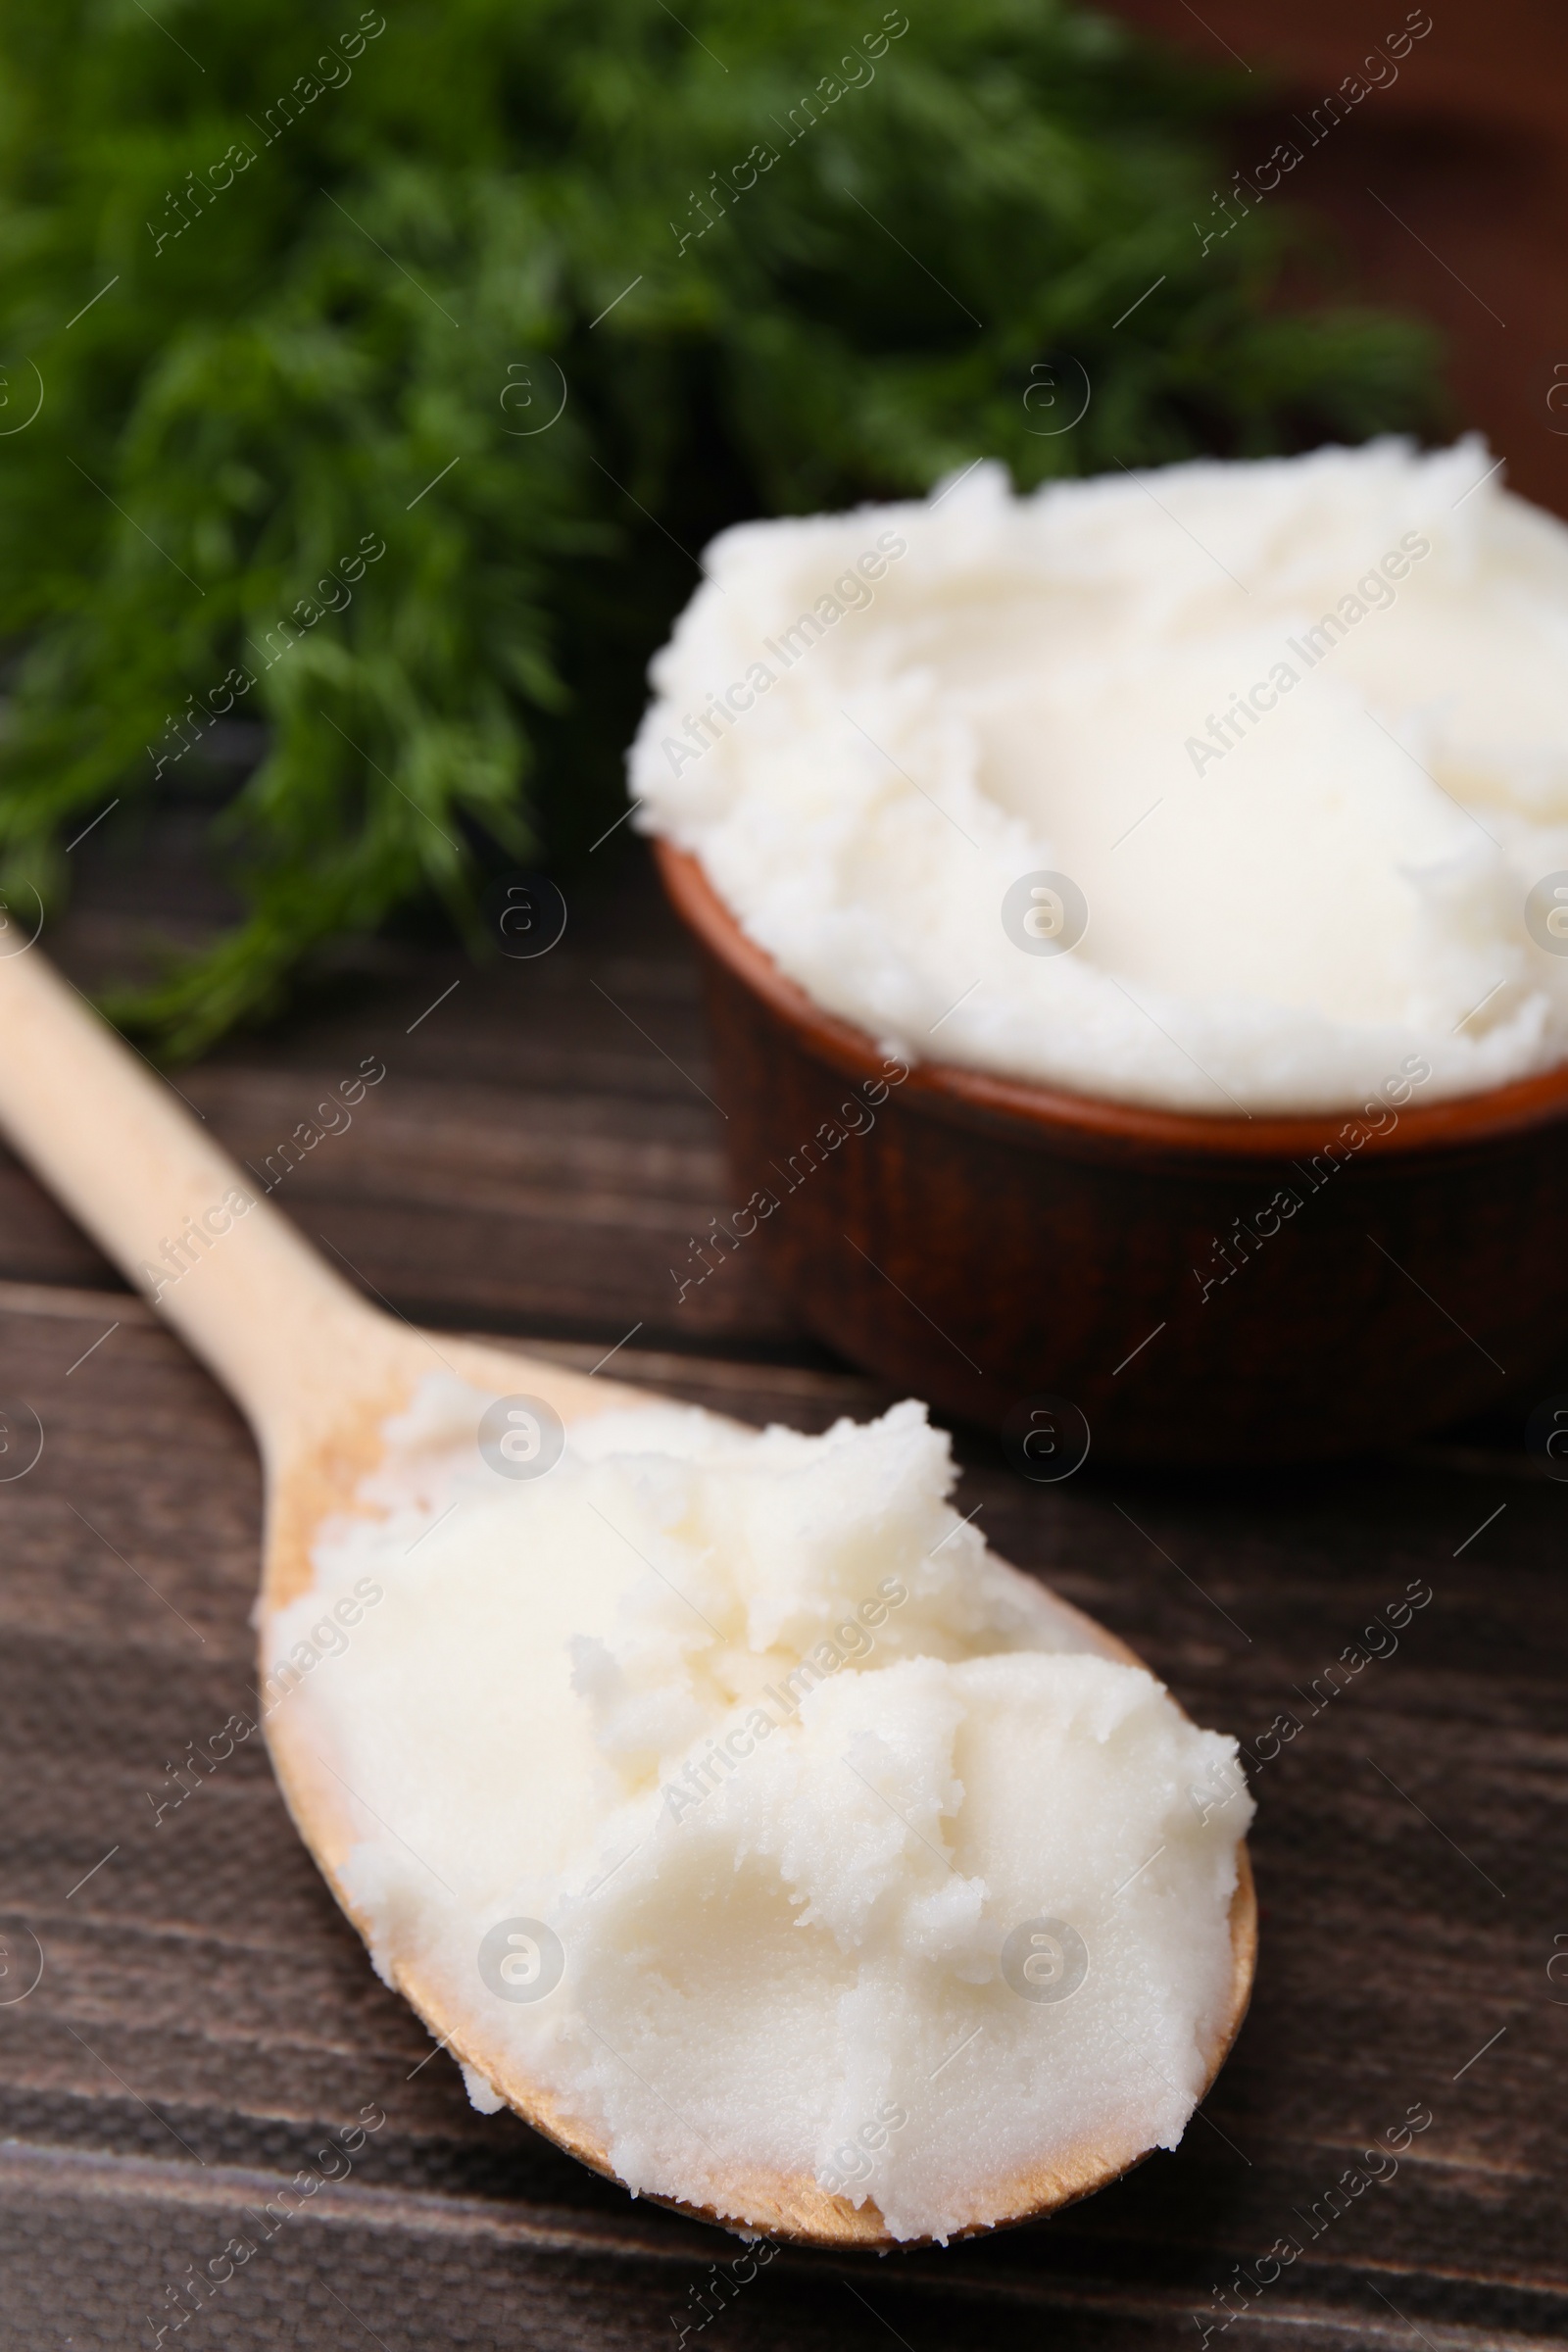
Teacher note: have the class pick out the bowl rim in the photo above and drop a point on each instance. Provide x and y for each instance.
(1454, 1120)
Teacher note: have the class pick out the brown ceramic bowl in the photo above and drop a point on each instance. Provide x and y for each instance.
(983, 1241)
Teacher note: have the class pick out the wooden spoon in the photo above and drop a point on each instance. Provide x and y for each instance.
(318, 1372)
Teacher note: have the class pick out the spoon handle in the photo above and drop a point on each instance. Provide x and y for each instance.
(188, 1228)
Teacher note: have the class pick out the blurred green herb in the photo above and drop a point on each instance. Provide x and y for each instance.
(296, 281)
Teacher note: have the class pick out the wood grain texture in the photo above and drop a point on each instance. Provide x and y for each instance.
(322, 1375)
(542, 1153)
(205, 2015)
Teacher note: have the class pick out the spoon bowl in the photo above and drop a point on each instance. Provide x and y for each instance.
(319, 1373)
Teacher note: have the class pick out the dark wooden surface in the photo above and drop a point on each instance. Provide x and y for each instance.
(534, 1162)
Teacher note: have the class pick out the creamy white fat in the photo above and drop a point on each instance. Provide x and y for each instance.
(1297, 729)
(782, 1755)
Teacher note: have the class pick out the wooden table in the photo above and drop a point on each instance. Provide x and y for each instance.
(539, 1154)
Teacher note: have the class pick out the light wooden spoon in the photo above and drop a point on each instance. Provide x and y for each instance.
(318, 1372)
